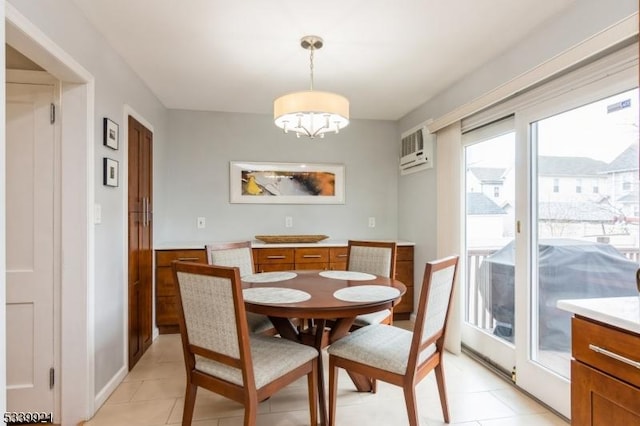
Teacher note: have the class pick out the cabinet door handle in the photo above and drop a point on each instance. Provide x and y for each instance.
(187, 259)
(312, 256)
(276, 257)
(615, 356)
(342, 255)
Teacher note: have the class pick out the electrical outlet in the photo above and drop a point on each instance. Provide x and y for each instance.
(372, 222)
(288, 222)
(201, 223)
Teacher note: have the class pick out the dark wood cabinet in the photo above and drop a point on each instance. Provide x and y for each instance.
(605, 386)
(140, 229)
(166, 292)
(269, 259)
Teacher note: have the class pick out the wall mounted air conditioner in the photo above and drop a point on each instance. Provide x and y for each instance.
(416, 150)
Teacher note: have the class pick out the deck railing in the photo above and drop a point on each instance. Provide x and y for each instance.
(477, 301)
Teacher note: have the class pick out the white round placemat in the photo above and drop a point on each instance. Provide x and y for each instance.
(347, 275)
(366, 293)
(274, 295)
(269, 277)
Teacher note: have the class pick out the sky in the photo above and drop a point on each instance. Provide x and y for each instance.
(587, 131)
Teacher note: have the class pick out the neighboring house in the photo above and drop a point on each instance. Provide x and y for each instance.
(623, 182)
(485, 219)
(572, 179)
(489, 181)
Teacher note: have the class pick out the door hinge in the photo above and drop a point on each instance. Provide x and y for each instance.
(52, 376)
(52, 115)
(513, 374)
(518, 226)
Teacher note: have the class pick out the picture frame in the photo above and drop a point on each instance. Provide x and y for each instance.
(111, 133)
(286, 183)
(110, 172)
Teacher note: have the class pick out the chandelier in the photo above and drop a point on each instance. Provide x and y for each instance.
(311, 113)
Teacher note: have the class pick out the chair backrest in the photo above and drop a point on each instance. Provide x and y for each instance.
(232, 254)
(212, 316)
(373, 257)
(433, 306)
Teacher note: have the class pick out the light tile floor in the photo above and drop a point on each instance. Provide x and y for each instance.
(152, 394)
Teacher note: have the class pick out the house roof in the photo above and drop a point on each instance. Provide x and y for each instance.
(625, 162)
(488, 174)
(569, 166)
(480, 204)
(575, 212)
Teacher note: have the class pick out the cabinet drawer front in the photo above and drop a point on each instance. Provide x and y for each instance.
(311, 265)
(404, 272)
(165, 257)
(312, 255)
(406, 303)
(165, 285)
(610, 350)
(274, 267)
(284, 255)
(404, 253)
(338, 255)
(166, 310)
(599, 399)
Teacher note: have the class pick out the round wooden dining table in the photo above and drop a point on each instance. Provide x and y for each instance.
(326, 302)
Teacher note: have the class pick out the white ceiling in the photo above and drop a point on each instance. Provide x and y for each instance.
(386, 56)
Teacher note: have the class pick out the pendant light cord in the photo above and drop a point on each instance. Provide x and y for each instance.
(311, 65)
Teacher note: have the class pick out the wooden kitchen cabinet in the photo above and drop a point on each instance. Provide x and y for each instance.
(269, 259)
(166, 292)
(605, 386)
(404, 273)
(335, 258)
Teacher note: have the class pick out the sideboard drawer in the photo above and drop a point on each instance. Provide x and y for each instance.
(338, 254)
(312, 255)
(275, 255)
(613, 351)
(165, 257)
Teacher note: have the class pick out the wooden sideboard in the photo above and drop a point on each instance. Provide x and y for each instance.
(267, 259)
(166, 297)
(605, 374)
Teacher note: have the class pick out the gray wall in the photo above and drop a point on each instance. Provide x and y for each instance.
(417, 193)
(115, 85)
(192, 179)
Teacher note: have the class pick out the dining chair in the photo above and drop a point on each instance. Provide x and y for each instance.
(239, 254)
(398, 356)
(377, 258)
(222, 356)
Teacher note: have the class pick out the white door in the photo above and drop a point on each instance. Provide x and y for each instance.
(30, 227)
(489, 161)
(582, 238)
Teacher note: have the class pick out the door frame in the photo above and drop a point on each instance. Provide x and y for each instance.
(75, 325)
(533, 378)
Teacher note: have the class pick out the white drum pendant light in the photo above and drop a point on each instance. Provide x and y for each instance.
(311, 113)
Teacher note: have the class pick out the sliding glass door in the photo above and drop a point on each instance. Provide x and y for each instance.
(583, 238)
(552, 212)
(489, 160)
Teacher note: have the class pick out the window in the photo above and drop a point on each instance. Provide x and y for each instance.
(578, 186)
(626, 185)
(496, 192)
(556, 185)
(596, 190)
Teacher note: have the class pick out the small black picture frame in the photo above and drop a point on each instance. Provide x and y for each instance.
(111, 132)
(110, 172)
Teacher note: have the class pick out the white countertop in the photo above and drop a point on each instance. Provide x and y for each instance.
(259, 244)
(622, 312)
